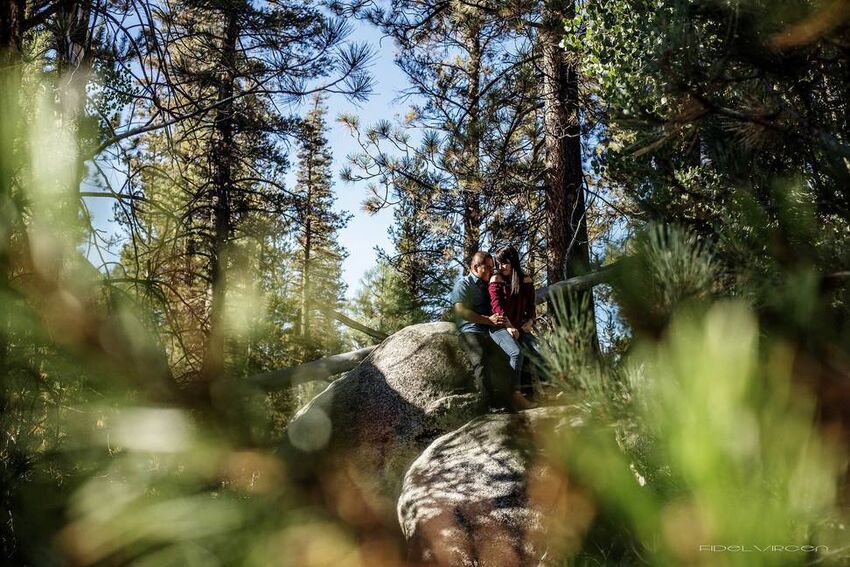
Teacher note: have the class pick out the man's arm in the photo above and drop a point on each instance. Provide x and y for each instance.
(473, 317)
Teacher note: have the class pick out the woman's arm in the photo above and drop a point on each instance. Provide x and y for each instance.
(497, 295)
(498, 299)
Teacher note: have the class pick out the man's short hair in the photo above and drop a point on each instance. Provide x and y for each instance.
(479, 258)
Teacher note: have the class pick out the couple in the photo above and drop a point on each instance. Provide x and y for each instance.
(495, 311)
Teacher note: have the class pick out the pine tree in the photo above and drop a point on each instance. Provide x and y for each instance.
(384, 302)
(423, 258)
(319, 255)
(230, 66)
(468, 69)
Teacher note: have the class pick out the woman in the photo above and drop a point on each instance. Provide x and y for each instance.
(512, 295)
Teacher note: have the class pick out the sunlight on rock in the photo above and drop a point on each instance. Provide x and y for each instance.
(310, 430)
(153, 430)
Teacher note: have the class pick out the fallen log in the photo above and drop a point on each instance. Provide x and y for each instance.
(348, 322)
(577, 283)
(319, 369)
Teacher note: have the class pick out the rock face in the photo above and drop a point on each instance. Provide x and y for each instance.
(376, 419)
(486, 495)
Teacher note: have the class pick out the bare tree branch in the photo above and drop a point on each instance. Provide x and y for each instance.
(348, 322)
(311, 371)
(578, 283)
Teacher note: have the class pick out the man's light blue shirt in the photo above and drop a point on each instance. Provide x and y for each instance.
(472, 292)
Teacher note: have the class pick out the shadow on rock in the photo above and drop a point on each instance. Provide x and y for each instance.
(356, 439)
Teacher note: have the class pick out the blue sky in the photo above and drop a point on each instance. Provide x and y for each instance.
(364, 231)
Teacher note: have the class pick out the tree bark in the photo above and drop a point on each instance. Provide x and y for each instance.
(73, 44)
(221, 154)
(568, 252)
(305, 267)
(11, 30)
(74, 59)
(470, 179)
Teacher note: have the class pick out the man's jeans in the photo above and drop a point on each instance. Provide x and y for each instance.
(490, 370)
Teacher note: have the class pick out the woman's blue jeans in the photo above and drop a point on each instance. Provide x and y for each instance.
(514, 348)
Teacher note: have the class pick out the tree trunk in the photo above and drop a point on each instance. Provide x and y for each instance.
(531, 258)
(305, 267)
(11, 30)
(471, 169)
(566, 221)
(74, 61)
(222, 156)
(351, 323)
(73, 44)
(566, 224)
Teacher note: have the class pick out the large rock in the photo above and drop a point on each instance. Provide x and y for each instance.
(368, 426)
(486, 494)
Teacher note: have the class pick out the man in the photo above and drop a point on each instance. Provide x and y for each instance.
(474, 319)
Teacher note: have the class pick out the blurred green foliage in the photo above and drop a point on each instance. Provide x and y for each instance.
(723, 421)
(106, 457)
(707, 434)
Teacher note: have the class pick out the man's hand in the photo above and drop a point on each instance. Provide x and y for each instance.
(528, 327)
(497, 319)
(513, 332)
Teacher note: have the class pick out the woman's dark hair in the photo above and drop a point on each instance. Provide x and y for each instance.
(509, 255)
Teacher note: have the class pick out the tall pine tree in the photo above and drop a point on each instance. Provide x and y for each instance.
(231, 66)
(319, 255)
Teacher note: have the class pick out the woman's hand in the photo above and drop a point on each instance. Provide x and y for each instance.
(528, 327)
(514, 332)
